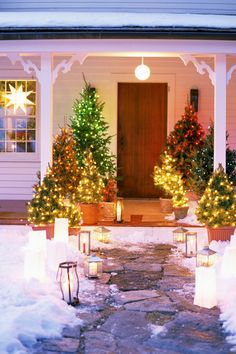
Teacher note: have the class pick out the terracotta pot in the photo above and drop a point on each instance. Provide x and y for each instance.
(222, 233)
(49, 228)
(180, 212)
(89, 213)
(136, 219)
(166, 205)
(106, 211)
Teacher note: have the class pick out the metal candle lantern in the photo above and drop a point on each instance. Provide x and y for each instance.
(179, 235)
(206, 257)
(119, 209)
(102, 234)
(69, 282)
(93, 267)
(191, 244)
(84, 242)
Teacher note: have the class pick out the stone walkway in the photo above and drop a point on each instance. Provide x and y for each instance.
(143, 304)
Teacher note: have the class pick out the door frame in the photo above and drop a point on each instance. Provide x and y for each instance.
(155, 78)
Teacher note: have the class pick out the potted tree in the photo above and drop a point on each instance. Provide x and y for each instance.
(107, 205)
(55, 196)
(217, 207)
(170, 182)
(90, 189)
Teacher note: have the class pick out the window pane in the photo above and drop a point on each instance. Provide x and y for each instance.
(31, 147)
(17, 124)
(20, 147)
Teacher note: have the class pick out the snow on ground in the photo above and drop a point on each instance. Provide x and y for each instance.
(32, 309)
(110, 19)
(29, 310)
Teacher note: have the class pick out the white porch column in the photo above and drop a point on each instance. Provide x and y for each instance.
(220, 111)
(46, 110)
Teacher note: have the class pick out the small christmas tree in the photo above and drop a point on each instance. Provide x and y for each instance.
(184, 140)
(217, 206)
(91, 185)
(203, 164)
(169, 180)
(48, 203)
(90, 131)
(60, 183)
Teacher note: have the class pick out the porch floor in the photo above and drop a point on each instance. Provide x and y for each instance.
(13, 212)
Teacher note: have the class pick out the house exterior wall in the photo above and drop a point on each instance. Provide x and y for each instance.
(17, 176)
(162, 6)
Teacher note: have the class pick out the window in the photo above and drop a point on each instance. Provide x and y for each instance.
(17, 116)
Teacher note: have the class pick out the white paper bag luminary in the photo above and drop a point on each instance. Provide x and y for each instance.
(56, 253)
(205, 287)
(61, 233)
(35, 256)
(228, 265)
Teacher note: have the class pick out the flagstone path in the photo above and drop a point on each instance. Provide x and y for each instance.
(143, 304)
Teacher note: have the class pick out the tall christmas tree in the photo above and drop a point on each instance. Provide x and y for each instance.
(60, 183)
(184, 140)
(203, 163)
(91, 131)
(217, 206)
(167, 178)
(90, 189)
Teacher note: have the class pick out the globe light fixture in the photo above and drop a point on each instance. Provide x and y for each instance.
(142, 72)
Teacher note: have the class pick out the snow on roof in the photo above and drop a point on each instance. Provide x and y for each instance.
(112, 20)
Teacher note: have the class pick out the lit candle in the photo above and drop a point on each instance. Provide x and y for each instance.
(84, 247)
(93, 269)
(67, 289)
(118, 212)
(205, 287)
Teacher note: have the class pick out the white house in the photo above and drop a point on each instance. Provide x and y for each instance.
(46, 47)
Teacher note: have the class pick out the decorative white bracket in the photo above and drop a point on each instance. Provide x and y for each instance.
(230, 73)
(65, 65)
(202, 67)
(28, 66)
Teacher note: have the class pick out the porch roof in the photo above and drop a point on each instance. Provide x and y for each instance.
(65, 25)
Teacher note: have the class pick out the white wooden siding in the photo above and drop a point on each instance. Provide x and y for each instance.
(161, 6)
(17, 178)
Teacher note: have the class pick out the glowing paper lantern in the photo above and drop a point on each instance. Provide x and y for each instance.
(205, 287)
(228, 265)
(69, 282)
(56, 253)
(35, 256)
(61, 233)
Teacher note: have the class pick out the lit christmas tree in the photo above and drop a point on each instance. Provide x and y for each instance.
(217, 206)
(168, 179)
(184, 140)
(48, 203)
(90, 131)
(90, 189)
(56, 196)
(203, 164)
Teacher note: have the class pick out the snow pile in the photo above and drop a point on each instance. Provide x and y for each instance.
(111, 19)
(190, 219)
(29, 310)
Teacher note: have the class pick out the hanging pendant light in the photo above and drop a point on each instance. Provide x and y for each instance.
(142, 71)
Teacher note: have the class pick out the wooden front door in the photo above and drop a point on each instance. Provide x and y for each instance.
(142, 129)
